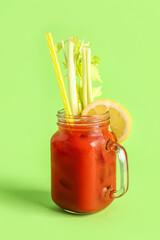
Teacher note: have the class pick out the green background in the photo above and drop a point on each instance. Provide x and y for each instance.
(125, 34)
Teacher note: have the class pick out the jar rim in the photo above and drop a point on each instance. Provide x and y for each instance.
(64, 118)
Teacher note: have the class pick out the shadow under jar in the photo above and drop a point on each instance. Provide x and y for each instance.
(83, 163)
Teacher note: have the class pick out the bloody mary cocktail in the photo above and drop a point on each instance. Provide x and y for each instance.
(83, 150)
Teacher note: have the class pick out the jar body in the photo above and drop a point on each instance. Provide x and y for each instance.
(81, 169)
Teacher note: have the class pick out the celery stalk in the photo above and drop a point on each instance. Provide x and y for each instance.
(84, 77)
(72, 78)
(64, 51)
(82, 71)
(89, 81)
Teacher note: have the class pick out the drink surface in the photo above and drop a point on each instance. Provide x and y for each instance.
(81, 168)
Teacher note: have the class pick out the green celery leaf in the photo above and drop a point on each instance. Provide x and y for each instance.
(97, 91)
(95, 60)
(95, 76)
(58, 46)
(77, 42)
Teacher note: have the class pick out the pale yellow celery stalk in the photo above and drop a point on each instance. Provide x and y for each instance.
(63, 48)
(72, 79)
(84, 77)
(89, 81)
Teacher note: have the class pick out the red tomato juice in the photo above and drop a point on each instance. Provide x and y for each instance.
(81, 168)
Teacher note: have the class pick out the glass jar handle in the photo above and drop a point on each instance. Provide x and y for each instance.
(123, 161)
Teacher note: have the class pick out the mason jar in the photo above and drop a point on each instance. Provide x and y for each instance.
(83, 163)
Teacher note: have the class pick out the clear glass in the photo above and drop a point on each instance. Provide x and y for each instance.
(83, 163)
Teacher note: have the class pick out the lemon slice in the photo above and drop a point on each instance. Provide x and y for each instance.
(120, 119)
